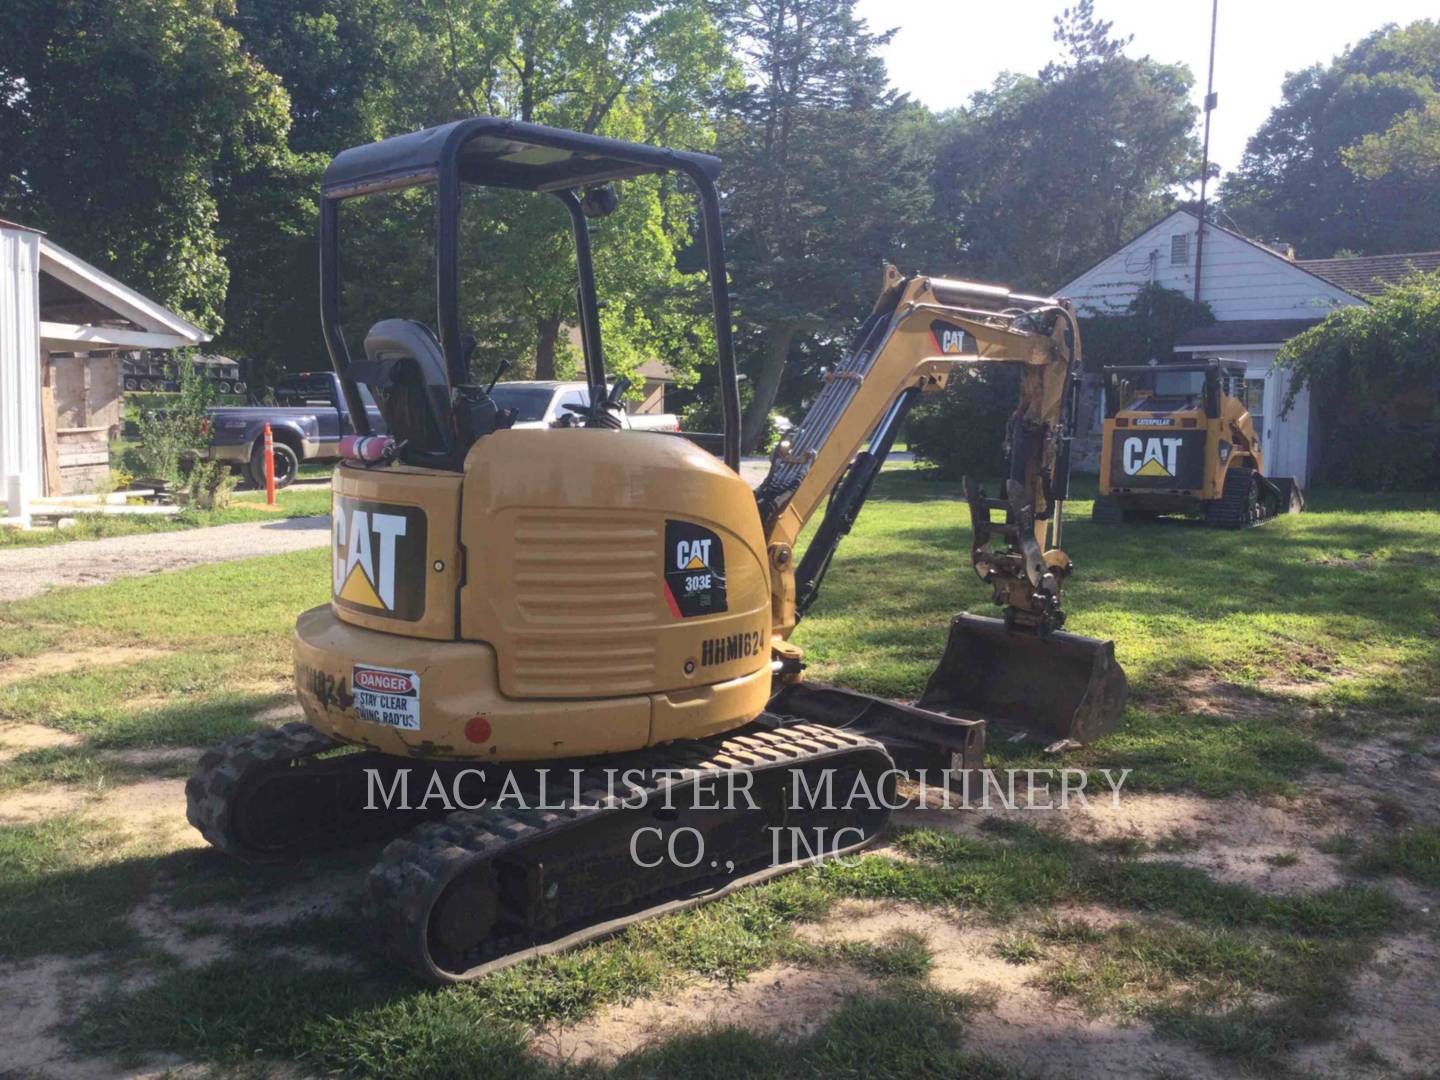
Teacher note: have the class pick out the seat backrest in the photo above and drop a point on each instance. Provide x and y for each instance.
(406, 372)
(393, 340)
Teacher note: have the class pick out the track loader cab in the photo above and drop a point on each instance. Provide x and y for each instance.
(1178, 439)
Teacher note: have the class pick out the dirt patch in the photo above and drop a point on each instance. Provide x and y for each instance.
(1017, 1024)
(16, 739)
(1202, 694)
(36, 997)
(1396, 783)
(785, 1001)
(58, 663)
(1270, 844)
(1024, 1027)
(33, 1000)
(152, 808)
(280, 714)
(1394, 1026)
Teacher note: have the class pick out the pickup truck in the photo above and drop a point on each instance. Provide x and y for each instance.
(307, 423)
(310, 417)
(542, 404)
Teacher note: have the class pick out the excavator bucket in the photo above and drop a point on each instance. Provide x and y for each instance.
(1060, 689)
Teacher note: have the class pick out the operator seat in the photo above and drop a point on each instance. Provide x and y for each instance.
(405, 369)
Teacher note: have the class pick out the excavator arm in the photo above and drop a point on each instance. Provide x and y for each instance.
(921, 332)
(1021, 675)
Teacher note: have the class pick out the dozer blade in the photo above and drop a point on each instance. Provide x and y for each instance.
(1057, 689)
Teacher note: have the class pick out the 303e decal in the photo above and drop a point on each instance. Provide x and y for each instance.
(694, 570)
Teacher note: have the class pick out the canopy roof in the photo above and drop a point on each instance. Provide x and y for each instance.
(501, 153)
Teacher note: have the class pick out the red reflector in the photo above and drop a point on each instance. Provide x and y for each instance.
(1122, 422)
(477, 729)
(1188, 421)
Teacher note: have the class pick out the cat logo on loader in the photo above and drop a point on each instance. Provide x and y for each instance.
(1151, 457)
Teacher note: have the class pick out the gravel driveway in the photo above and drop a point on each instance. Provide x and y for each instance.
(28, 571)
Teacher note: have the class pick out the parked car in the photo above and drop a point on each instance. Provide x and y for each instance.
(540, 403)
(307, 422)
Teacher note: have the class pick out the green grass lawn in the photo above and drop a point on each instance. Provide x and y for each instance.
(1327, 622)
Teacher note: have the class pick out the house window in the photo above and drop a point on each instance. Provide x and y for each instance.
(1180, 249)
(1255, 403)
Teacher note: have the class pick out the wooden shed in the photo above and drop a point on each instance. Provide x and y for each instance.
(64, 328)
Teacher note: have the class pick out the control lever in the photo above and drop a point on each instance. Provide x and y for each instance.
(500, 369)
(617, 392)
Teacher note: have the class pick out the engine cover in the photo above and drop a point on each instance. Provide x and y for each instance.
(613, 585)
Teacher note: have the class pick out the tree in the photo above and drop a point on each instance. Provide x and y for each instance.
(1296, 182)
(1147, 331)
(1410, 148)
(1375, 374)
(339, 61)
(634, 69)
(821, 183)
(363, 70)
(117, 118)
(1043, 175)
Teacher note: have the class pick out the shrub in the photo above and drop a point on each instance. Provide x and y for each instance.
(1374, 372)
(171, 439)
(1148, 330)
(962, 432)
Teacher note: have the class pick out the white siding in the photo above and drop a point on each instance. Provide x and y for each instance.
(1286, 444)
(20, 453)
(1241, 280)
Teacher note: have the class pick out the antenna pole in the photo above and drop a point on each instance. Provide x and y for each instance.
(1210, 101)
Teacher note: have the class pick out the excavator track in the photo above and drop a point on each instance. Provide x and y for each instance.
(649, 834)
(274, 795)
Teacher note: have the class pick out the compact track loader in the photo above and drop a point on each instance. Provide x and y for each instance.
(1179, 440)
(581, 635)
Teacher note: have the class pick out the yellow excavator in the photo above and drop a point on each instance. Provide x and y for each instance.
(550, 655)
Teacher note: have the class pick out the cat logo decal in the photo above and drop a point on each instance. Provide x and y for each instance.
(378, 555)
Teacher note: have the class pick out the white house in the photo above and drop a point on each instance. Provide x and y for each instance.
(1261, 296)
(53, 306)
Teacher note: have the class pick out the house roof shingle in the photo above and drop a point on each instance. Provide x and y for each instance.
(1367, 275)
(1245, 332)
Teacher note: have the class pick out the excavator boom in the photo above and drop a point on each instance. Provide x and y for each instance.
(1014, 672)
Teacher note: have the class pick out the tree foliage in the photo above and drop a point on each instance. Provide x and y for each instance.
(1044, 174)
(821, 180)
(1410, 148)
(120, 122)
(1147, 330)
(1296, 182)
(1375, 374)
(962, 432)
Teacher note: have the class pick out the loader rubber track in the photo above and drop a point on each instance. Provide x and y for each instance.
(478, 891)
(281, 793)
(1236, 509)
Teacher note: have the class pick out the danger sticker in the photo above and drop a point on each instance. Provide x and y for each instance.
(387, 696)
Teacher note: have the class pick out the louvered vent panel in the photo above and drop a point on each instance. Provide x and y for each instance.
(588, 589)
